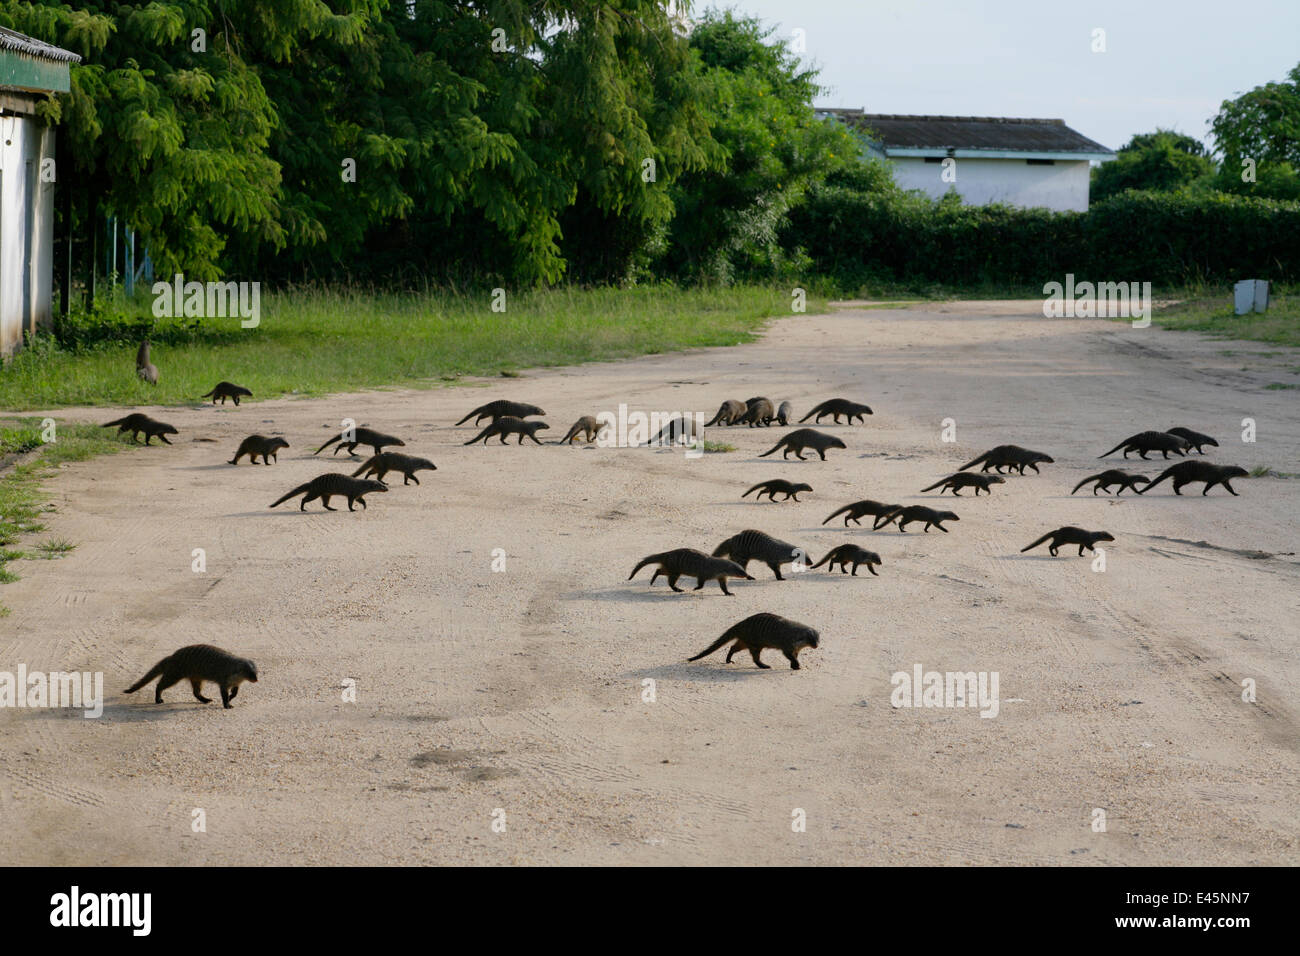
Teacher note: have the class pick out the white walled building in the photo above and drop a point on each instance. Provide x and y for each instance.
(29, 71)
(1020, 162)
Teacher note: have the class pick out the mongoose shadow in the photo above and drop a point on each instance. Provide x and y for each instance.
(647, 596)
(703, 672)
(114, 711)
(1033, 557)
(281, 514)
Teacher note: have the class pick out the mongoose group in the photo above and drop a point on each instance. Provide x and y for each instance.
(731, 558)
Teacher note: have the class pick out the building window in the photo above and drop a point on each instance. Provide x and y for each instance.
(934, 159)
(1041, 162)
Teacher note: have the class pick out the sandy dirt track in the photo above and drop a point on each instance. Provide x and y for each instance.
(523, 690)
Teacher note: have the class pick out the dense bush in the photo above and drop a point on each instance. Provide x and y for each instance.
(854, 237)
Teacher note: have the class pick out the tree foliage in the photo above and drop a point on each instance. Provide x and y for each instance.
(516, 141)
(758, 97)
(1161, 161)
(1258, 136)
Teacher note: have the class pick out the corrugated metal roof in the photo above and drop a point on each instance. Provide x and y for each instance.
(15, 42)
(969, 132)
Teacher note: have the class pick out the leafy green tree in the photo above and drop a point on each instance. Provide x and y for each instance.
(1161, 161)
(1258, 136)
(168, 129)
(370, 138)
(759, 99)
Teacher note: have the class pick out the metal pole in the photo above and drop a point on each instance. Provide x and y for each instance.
(65, 275)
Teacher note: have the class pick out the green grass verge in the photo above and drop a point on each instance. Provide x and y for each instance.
(313, 341)
(1211, 312)
(22, 500)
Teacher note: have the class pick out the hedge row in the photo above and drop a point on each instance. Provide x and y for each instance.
(1164, 238)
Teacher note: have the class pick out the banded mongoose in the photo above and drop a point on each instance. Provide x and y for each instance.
(1144, 442)
(144, 369)
(730, 412)
(854, 512)
(762, 412)
(963, 479)
(1195, 439)
(500, 409)
(776, 486)
(692, 564)
(587, 425)
(905, 516)
(1009, 456)
(785, 413)
(801, 438)
(750, 545)
(1070, 535)
(508, 425)
(328, 485)
(224, 390)
(138, 423)
(255, 445)
(1185, 472)
(198, 663)
(678, 431)
(381, 464)
(760, 631)
(837, 407)
(353, 437)
(1113, 476)
(847, 554)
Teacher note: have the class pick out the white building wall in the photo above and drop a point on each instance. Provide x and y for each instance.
(1061, 187)
(26, 229)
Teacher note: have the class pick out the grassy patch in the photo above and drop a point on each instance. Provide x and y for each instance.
(20, 439)
(22, 501)
(54, 548)
(1210, 311)
(1264, 471)
(717, 447)
(312, 341)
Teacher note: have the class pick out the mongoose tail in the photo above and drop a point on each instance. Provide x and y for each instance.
(338, 437)
(1029, 547)
(712, 647)
(649, 559)
(838, 512)
(153, 672)
(297, 491)
(1086, 480)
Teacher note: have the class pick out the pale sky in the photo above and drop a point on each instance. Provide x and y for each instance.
(1168, 63)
